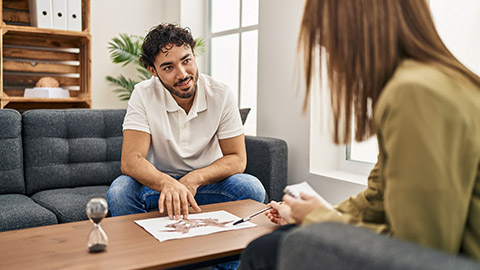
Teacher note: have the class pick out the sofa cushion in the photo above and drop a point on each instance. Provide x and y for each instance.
(243, 114)
(267, 159)
(71, 148)
(11, 152)
(69, 204)
(19, 212)
(344, 247)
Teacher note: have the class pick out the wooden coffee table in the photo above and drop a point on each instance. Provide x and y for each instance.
(130, 246)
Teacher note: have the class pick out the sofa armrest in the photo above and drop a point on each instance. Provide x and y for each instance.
(267, 159)
(341, 246)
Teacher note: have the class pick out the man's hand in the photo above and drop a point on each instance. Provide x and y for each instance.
(176, 198)
(300, 208)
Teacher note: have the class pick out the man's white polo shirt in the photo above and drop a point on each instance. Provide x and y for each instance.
(179, 142)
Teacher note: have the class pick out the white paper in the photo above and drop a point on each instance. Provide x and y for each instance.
(295, 189)
(157, 227)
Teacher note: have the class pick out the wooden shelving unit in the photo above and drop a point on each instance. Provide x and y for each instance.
(28, 53)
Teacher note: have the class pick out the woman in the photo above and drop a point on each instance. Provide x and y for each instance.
(390, 73)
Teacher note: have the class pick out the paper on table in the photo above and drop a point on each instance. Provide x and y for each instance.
(295, 189)
(157, 227)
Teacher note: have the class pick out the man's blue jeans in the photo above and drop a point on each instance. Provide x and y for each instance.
(127, 196)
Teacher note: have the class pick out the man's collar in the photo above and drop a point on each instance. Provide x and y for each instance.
(200, 102)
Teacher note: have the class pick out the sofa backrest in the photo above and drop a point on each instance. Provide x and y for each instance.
(11, 153)
(71, 148)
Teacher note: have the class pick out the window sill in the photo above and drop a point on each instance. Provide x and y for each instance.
(343, 176)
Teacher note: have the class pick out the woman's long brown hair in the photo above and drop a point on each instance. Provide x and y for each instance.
(364, 41)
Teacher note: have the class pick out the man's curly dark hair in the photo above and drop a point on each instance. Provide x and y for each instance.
(162, 38)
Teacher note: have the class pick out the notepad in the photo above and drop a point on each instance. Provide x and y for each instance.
(295, 189)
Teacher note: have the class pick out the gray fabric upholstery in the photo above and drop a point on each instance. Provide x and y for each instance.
(71, 148)
(267, 159)
(62, 158)
(11, 153)
(243, 114)
(339, 246)
(19, 212)
(68, 204)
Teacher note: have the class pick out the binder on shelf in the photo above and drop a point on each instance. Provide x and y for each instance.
(59, 8)
(41, 13)
(74, 15)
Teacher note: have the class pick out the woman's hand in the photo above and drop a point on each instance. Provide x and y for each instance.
(279, 214)
(300, 208)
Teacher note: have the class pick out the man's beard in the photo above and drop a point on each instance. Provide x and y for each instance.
(182, 93)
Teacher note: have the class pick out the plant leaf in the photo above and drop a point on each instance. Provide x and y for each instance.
(125, 86)
(199, 46)
(125, 49)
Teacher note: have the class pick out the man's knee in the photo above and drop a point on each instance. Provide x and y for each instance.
(123, 196)
(248, 186)
(120, 187)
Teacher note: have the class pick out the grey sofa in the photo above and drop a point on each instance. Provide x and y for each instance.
(338, 246)
(53, 161)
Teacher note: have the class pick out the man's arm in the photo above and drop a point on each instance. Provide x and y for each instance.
(134, 150)
(234, 161)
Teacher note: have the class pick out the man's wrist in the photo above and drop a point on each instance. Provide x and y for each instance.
(164, 180)
(193, 178)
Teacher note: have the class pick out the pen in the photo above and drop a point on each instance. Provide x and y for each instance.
(252, 216)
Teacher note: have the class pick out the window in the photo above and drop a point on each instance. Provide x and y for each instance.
(233, 51)
(365, 151)
(457, 23)
(458, 26)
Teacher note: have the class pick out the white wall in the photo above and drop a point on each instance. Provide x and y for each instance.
(279, 103)
(280, 97)
(108, 19)
(193, 15)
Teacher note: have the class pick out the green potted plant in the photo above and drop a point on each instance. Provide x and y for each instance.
(125, 50)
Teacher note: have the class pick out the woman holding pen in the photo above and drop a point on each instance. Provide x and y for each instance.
(392, 76)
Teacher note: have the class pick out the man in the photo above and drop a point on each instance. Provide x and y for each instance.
(183, 141)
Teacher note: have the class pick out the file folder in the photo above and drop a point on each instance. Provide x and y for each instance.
(59, 8)
(74, 15)
(41, 13)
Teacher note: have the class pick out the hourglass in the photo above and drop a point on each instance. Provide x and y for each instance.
(97, 209)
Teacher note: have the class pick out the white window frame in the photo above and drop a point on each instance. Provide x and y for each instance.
(327, 159)
(240, 30)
